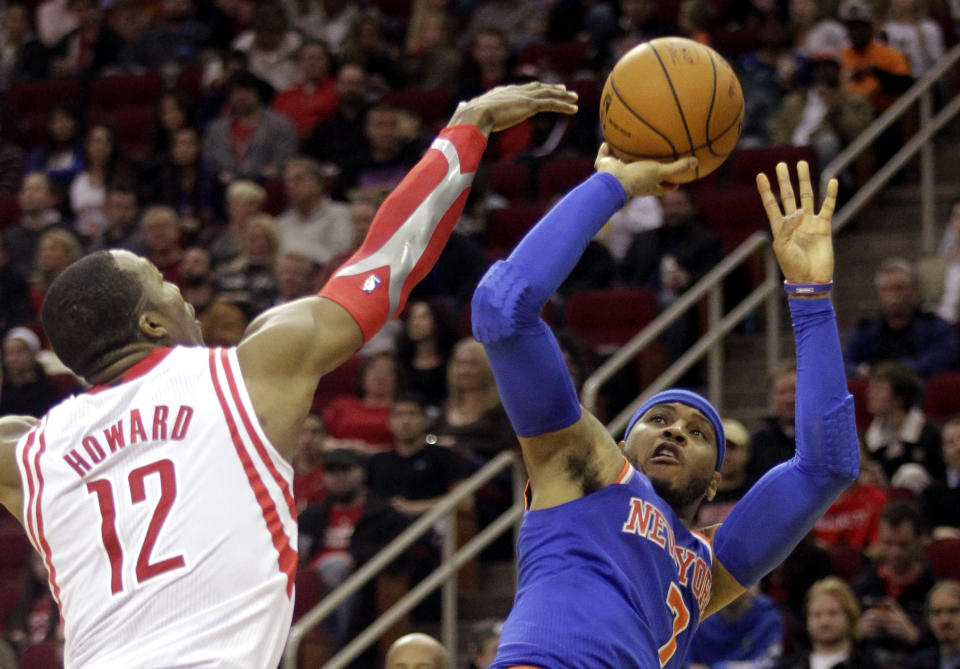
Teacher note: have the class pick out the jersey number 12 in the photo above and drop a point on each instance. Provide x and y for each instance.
(108, 526)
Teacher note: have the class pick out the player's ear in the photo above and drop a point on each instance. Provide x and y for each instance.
(712, 488)
(152, 325)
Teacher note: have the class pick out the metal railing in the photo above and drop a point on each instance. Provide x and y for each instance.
(710, 344)
(445, 575)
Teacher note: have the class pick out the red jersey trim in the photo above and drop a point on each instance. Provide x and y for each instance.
(44, 544)
(154, 358)
(252, 433)
(31, 500)
(286, 556)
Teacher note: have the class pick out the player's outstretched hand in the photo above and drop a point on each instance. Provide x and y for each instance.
(801, 236)
(506, 106)
(642, 177)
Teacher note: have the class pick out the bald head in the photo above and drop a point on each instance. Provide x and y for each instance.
(417, 651)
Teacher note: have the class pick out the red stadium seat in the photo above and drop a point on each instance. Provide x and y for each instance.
(126, 90)
(605, 319)
(9, 211)
(733, 214)
(42, 656)
(430, 106)
(944, 558)
(505, 227)
(309, 589)
(396, 9)
(563, 58)
(16, 549)
(941, 396)
(341, 381)
(858, 388)
(559, 175)
(746, 163)
(511, 180)
(35, 98)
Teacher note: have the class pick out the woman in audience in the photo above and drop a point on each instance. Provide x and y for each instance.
(61, 157)
(26, 388)
(182, 183)
(832, 615)
(367, 45)
(432, 62)
(88, 191)
(244, 199)
(173, 113)
(363, 422)
(423, 350)
(56, 250)
(249, 281)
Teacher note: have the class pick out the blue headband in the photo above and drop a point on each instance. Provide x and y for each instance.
(689, 398)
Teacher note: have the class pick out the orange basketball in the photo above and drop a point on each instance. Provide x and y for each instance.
(672, 97)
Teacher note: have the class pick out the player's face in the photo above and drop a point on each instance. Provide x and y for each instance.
(826, 621)
(944, 616)
(674, 445)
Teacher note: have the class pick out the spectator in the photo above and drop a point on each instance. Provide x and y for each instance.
(121, 210)
(221, 323)
(892, 591)
(489, 65)
(415, 473)
(37, 214)
(244, 200)
(910, 30)
(34, 617)
(362, 211)
(362, 422)
(920, 341)
(271, 46)
(853, 520)
(196, 277)
(88, 191)
(335, 140)
(431, 61)
(331, 23)
(900, 432)
(943, 617)
(61, 157)
(295, 277)
(174, 113)
(639, 22)
(764, 77)
(314, 97)
(522, 21)
(746, 634)
(734, 480)
(13, 160)
(27, 391)
(14, 305)
(424, 348)
(182, 182)
(833, 616)
(773, 441)
(251, 142)
(874, 70)
(340, 534)
(21, 55)
(307, 462)
(56, 250)
(249, 280)
(55, 19)
(90, 49)
(417, 650)
(386, 155)
(941, 500)
(483, 642)
(639, 214)
(160, 229)
(175, 43)
(823, 115)
(314, 226)
(367, 44)
(814, 30)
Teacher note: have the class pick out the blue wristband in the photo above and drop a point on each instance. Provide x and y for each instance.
(807, 288)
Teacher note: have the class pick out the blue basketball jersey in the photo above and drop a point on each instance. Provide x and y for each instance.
(613, 579)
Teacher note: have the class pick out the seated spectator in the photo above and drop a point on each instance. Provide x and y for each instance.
(362, 422)
(22, 57)
(483, 642)
(747, 633)
(61, 157)
(764, 77)
(893, 590)
(221, 323)
(639, 214)
(431, 60)
(121, 210)
(910, 30)
(27, 391)
(335, 140)
(919, 340)
(176, 42)
(832, 620)
(244, 200)
(13, 294)
(56, 250)
(367, 44)
(13, 160)
(313, 98)
(54, 20)
(174, 113)
(418, 650)
(871, 68)
(90, 49)
(270, 46)
(853, 520)
(774, 441)
(252, 141)
(249, 280)
(522, 22)
(160, 229)
(314, 226)
(734, 480)
(814, 30)
(35, 617)
(423, 350)
(900, 432)
(181, 182)
(38, 213)
(330, 21)
(823, 114)
(340, 534)
(639, 22)
(386, 155)
(941, 499)
(307, 462)
(88, 190)
(943, 617)
(295, 277)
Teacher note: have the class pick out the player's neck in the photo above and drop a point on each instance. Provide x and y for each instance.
(115, 365)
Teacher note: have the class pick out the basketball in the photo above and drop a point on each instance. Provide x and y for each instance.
(669, 98)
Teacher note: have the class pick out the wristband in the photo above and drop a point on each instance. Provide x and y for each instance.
(807, 288)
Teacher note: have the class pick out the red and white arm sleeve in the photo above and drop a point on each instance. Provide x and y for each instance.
(409, 231)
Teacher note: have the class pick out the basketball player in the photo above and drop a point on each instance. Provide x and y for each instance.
(161, 501)
(612, 573)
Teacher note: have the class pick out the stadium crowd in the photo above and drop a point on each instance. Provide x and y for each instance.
(243, 146)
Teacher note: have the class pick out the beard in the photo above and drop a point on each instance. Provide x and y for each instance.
(681, 495)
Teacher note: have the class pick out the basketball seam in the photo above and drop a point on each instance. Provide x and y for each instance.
(613, 87)
(676, 99)
(666, 155)
(713, 98)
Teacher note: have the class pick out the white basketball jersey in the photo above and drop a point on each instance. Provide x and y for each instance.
(165, 518)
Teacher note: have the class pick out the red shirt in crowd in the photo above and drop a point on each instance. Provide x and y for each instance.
(348, 418)
(853, 519)
(307, 104)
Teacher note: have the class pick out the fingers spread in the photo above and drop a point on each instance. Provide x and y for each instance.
(786, 189)
(806, 189)
(829, 200)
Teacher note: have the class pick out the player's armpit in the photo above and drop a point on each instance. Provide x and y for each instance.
(12, 429)
(725, 587)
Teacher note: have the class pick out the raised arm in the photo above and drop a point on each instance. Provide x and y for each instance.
(783, 506)
(531, 375)
(288, 349)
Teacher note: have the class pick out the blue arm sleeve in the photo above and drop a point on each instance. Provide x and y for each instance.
(783, 506)
(532, 377)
